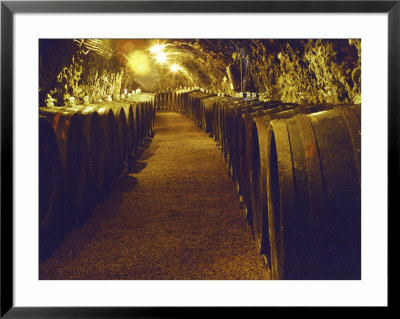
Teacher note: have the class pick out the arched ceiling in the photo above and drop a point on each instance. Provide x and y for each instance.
(280, 69)
(186, 62)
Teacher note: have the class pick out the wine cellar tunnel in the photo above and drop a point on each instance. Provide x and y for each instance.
(199, 159)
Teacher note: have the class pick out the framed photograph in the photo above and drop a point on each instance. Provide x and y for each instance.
(105, 209)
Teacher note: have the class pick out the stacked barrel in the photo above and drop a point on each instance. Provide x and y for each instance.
(297, 170)
(166, 101)
(84, 151)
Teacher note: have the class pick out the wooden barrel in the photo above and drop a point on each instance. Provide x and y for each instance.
(95, 139)
(142, 126)
(253, 169)
(175, 101)
(50, 177)
(149, 108)
(148, 126)
(219, 121)
(151, 119)
(154, 112)
(144, 103)
(231, 131)
(128, 128)
(225, 126)
(357, 110)
(338, 242)
(258, 177)
(194, 105)
(100, 132)
(179, 101)
(130, 111)
(245, 149)
(170, 106)
(200, 110)
(148, 100)
(144, 120)
(94, 133)
(233, 121)
(308, 214)
(217, 118)
(132, 131)
(241, 132)
(190, 105)
(73, 153)
(160, 98)
(233, 102)
(163, 100)
(123, 135)
(109, 127)
(157, 101)
(185, 101)
(207, 106)
(137, 120)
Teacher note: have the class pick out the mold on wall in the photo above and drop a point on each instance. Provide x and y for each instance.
(291, 70)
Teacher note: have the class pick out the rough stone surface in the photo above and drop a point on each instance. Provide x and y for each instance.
(174, 216)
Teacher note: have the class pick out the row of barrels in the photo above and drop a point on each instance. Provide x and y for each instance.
(84, 150)
(168, 101)
(174, 100)
(297, 170)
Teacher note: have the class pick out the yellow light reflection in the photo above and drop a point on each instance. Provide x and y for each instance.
(139, 62)
(175, 68)
(157, 48)
(161, 57)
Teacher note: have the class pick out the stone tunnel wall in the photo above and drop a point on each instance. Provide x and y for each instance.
(287, 70)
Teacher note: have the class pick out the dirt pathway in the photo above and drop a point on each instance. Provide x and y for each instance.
(175, 216)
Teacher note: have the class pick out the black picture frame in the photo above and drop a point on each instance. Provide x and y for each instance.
(9, 8)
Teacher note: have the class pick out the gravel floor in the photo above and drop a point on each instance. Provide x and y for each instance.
(174, 216)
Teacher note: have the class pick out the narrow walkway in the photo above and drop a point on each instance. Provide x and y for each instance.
(175, 216)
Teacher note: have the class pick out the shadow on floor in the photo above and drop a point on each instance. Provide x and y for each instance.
(138, 167)
(70, 219)
(128, 183)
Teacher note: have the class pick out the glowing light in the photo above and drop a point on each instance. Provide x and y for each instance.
(175, 68)
(139, 62)
(161, 57)
(157, 48)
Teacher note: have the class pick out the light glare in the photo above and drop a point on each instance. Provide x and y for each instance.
(157, 48)
(139, 62)
(161, 58)
(174, 68)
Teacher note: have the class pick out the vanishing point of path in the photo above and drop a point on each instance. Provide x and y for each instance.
(176, 215)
